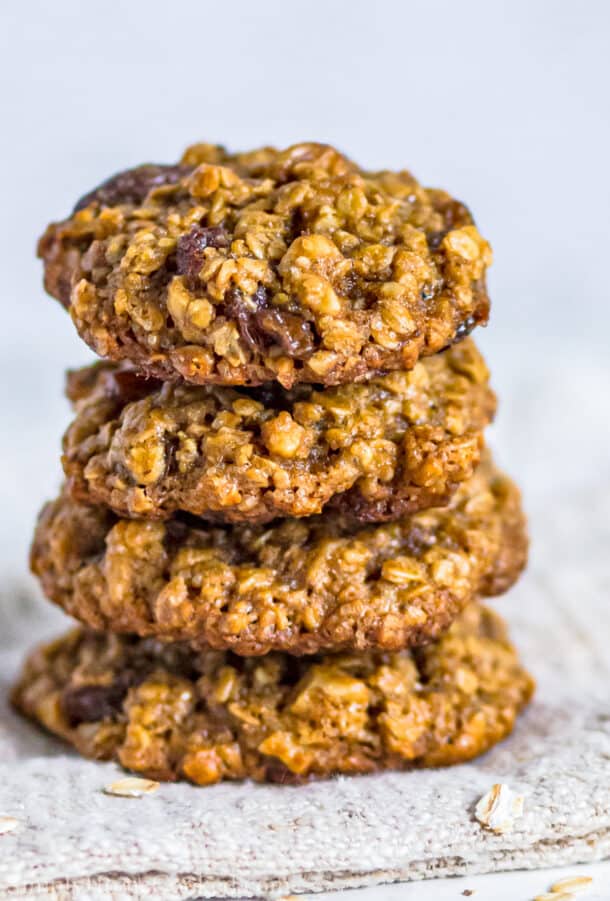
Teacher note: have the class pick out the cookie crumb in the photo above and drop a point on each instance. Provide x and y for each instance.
(468, 892)
(7, 824)
(499, 808)
(132, 787)
(572, 884)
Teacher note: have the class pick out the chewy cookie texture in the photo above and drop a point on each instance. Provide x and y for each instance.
(294, 265)
(378, 449)
(279, 518)
(298, 585)
(168, 712)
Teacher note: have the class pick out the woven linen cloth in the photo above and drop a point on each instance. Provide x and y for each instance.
(236, 840)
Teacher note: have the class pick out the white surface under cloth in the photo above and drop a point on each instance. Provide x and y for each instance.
(240, 840)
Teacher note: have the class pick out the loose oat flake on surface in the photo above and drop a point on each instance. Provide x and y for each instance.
(572, 884)
(131, 787)
(555, 896)
(7, 824)
(499, 808)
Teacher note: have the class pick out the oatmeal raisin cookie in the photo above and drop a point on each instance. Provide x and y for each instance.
(379, 449)
(293, 265)
(169, 712)
(322, 583)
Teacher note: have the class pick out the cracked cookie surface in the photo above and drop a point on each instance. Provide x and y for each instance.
(294, 265)
(380, 449)
(168, 712)
(297, 585)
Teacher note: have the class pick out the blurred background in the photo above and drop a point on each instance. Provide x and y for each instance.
(504, 104)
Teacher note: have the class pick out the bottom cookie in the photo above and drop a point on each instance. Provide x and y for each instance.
(170, 712)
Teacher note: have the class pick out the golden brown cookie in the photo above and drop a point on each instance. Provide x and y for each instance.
(380, 449)
(168, 712)
(298, 585)
(294, 265)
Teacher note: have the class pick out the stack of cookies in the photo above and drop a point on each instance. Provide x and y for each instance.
(279, 518)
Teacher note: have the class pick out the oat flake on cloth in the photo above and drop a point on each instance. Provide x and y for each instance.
(74, 842)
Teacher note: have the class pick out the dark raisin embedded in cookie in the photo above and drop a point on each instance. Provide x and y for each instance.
(133, 186)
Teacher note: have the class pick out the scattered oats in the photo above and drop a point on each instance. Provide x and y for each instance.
(555, 896)
(131, 787)
(572, 884)
(499, 808)
(7, 824)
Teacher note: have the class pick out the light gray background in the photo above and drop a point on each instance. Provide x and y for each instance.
(505, 104)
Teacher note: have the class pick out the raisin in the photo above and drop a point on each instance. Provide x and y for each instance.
(189, 256)
(121, 384)
(133, 185)
(265, 325)
(235, 308)
(130, 385)
(435, 238)
(91, 703)
(293, 334)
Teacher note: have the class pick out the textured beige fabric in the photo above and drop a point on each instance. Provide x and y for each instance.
(239, 840)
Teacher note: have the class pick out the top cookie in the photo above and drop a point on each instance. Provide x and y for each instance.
(293, 265)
